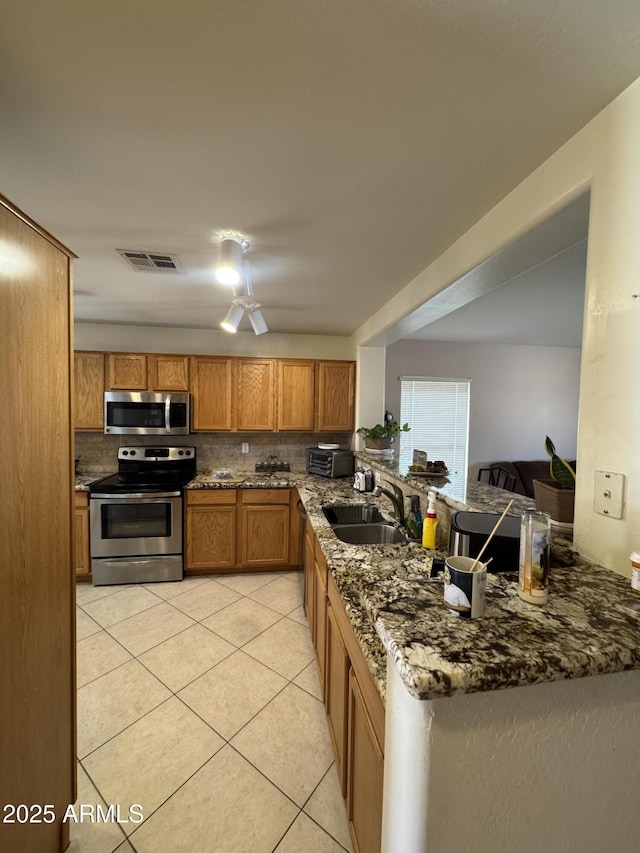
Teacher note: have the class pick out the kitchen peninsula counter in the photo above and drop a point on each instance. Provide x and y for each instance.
(528, 764)
(589, 626)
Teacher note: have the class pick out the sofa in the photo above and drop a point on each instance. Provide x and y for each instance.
(526, 472)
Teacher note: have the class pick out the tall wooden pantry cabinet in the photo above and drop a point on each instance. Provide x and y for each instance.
(37, 657)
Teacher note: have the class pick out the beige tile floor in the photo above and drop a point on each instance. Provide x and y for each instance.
(200, 702)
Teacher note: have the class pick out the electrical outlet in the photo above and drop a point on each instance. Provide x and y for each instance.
(378, 478)
(245, 447)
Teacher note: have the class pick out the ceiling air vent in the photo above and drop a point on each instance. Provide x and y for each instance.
(151, 261)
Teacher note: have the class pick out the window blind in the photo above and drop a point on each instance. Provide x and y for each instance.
(437, 410)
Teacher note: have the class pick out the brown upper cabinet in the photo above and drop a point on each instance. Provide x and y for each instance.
(335, 396)
(126, 371)
(296, 395)
(140, 372)
(211, 389)
(168, 372)
(255, 394)
(88, 390)
(228, 394)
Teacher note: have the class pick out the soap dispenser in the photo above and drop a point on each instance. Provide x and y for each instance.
(430, 524)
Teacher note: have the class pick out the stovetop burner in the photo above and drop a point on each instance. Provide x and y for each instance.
(148, 470)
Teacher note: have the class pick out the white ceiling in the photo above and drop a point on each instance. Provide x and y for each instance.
(351, 141)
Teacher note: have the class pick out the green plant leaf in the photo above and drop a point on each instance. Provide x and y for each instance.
(561, 471)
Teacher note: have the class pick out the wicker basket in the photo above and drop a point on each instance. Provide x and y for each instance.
(557, 502)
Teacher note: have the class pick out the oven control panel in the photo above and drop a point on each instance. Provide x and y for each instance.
(155, 454)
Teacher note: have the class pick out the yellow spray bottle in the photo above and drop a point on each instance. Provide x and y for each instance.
(430, 524)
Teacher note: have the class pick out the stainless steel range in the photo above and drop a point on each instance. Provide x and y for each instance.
(136, 516)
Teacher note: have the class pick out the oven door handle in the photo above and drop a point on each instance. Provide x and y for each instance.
(150, 497)
(167, 413)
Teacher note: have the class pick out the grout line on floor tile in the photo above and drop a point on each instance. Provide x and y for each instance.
(306, 803)
(173, 793)
(287, 829)
(109, 671)
(102, 797)
(181, 631)
(148, 610)
(264, 775)
(141, 717)
(204, 672)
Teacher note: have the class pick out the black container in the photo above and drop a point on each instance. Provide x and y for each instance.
(469, 532)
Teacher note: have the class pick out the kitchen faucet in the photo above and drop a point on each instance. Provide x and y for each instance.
(396, 498)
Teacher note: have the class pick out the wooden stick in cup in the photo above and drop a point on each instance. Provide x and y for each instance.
(498, 523)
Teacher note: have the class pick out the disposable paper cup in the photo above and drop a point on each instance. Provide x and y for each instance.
(464, 591)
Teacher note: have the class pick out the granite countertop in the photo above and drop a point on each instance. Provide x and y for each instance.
(277, 480)
(590, 625)
(83, 481)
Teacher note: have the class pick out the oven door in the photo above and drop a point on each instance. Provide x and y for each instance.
(140, 525)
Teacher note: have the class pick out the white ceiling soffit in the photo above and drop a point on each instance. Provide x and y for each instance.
(530, 292)
(351, 142)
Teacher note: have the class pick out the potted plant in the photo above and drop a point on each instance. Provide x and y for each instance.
(382, 436)
(557, 495)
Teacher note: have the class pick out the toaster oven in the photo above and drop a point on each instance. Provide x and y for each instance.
(329, 463)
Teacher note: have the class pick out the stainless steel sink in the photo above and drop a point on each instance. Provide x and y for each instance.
(369, 534)
(352, 514)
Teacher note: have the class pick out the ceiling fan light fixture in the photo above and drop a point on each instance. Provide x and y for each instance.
(258, 322)
(229, 266)
(233, 318)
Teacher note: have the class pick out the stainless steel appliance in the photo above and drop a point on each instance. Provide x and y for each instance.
(329, 463)
(135, 516)
(469, 531)
(141, 413)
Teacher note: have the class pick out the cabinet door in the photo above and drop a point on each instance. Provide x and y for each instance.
(211, 386)
(81, 539)
(211, 531)
(296, 533)
(264, 528)
(126, 371)
(335, 396)
(310, 580)
(255, 394)
(88, 390)
(336, 695)
(168, 373)
(320, 620)
(365, 770)
(296, 395)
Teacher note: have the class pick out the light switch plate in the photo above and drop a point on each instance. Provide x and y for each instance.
(608, 495)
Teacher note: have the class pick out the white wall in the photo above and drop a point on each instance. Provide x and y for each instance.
(603, 157)
(518, 394)
(530, 769)
(370, 393)
(121, 338)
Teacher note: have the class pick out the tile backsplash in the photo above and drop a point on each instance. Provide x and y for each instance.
(98, 452)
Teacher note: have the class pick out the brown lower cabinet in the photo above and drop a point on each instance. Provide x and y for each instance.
(227, 530)
(365, 773)
(263, 535)
(81, 536)
(336, 695)
(355, 713)
(210, 530)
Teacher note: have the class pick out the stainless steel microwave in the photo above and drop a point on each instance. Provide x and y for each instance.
(142, 413)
